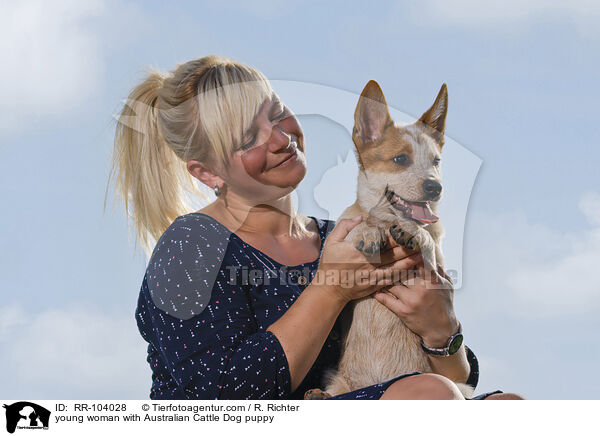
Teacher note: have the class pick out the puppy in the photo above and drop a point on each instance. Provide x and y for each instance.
(399, 186)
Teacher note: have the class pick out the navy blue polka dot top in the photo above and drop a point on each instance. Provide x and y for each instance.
(205, 303)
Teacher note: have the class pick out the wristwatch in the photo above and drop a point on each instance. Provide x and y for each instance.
(452, 346)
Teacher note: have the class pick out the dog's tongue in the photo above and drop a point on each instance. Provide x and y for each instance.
(422, 212)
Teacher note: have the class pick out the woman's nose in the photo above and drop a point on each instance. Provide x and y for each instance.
(279, 139)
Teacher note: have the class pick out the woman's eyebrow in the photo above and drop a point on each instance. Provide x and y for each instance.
(275, 101)
(253, 123)
(266, 106)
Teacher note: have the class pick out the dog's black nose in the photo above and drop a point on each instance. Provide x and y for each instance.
(432, 189)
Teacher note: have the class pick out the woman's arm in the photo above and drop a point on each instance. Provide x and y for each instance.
(455, 367)
(461, 369)
(426, 307)
(217, 354)
(304, 327)
(201, 325)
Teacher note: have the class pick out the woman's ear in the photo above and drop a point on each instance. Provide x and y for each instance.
(203, 173)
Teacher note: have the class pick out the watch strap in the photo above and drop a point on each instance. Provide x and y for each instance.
(449, 349)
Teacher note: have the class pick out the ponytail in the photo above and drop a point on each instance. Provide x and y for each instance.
(198, 111)
(151, 178)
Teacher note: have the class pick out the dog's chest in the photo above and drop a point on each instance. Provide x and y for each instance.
(379, 346)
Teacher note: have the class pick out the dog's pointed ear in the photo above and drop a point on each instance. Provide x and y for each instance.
(435, 117)
(371, 116)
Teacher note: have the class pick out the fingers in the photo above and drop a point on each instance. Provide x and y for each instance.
(409, 262)
(391, 242)
(435, 277)
(421, 270)
(397, 272)
(442, 282)
(444, 274)
(390, 302)
(342, 228)
(393, 254)
(428, 276)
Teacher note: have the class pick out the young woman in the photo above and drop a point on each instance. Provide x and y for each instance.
(240, 299)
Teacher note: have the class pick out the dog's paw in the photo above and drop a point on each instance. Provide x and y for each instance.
(369, 240)
(403, 237)
(316, 394)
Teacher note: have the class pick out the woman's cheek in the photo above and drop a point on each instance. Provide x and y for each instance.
(254, 164)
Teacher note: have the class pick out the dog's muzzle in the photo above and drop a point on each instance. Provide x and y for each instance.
(418, 211)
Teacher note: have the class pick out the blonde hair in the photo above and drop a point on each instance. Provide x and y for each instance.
(198, 111)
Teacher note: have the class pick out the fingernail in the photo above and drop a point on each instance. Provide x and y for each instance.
(357, 218)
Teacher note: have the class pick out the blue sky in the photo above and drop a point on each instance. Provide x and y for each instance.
(522, 81)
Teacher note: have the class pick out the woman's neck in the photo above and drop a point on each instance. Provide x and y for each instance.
(277, 218)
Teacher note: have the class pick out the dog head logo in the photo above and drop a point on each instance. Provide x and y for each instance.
(26, 415)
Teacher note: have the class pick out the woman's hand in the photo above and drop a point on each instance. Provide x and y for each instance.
(349, 274)
(425, 306)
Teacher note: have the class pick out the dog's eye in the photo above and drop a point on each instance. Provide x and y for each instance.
(402, 159)
(436, 161)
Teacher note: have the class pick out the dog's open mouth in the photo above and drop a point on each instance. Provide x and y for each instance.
(415, 210)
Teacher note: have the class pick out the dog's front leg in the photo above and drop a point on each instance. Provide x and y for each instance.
(366, 238)
(428, 252)
(416, 239)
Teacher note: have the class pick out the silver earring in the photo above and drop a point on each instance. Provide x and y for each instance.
(217, 190)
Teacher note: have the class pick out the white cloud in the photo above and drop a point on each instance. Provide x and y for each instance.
(530, 270)
(566, 285)
(51, 60)
(527, 287)
(590, 206)
(77, 352)
(11, 316)
(504, 15)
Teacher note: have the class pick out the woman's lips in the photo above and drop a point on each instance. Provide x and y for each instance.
(288, 160)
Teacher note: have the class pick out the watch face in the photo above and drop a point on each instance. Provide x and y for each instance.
(456, 343)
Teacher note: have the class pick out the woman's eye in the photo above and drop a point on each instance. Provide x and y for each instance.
(280, 116)
(249, 144)
(436, 161)
(402, 159)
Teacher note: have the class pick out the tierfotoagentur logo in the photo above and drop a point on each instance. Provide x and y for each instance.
(24, 415)
(329, 187)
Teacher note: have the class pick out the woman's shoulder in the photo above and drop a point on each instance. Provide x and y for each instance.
(193, 228)
(185, 264)
(199, 223)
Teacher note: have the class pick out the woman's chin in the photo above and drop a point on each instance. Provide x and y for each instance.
(293, 182)
(274, 186)
(290, 178)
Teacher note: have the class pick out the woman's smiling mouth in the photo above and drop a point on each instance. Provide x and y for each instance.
(293, 156)
(288, 160)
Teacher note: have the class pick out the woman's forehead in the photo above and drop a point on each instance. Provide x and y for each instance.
(269, 102)
(266, 106)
